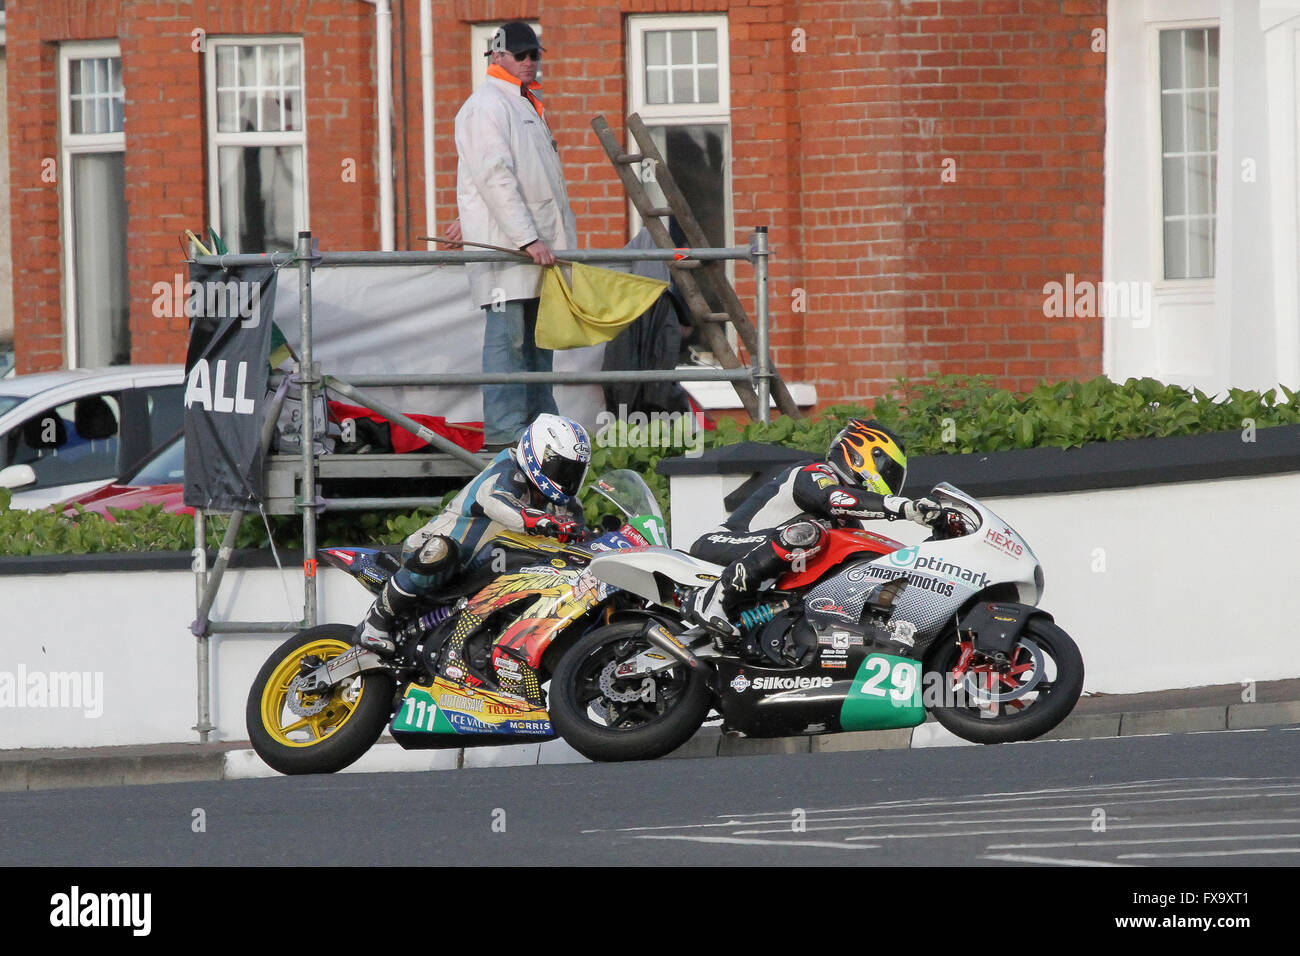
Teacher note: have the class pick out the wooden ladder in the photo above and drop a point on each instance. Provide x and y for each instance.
(709, 324)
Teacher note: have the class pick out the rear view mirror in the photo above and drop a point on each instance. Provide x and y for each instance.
(17, 476)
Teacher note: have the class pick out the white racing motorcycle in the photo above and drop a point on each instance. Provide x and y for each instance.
(870, 635)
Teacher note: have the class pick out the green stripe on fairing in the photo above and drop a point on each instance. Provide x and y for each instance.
(441, 725)
(878, 707)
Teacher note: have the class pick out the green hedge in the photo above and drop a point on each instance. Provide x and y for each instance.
(951, 415)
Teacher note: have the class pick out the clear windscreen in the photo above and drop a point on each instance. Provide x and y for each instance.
(628, 492)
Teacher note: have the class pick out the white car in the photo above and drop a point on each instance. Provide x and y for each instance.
(68, 432)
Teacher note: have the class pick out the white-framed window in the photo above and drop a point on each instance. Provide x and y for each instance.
(679, 83)
(257, 142)
(480, 35)
(1189, 145)
(93, 197)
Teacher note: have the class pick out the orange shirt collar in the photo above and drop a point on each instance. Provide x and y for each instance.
(500, 73)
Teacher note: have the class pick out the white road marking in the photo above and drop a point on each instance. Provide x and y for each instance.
(1082, 823)
(1059, 793)
(1252, 852)
(1118, 803)
(825, 844)
(1053, 861)
(1105, 843)
(671, 826)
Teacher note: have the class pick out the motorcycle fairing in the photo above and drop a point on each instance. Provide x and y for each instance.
(851, 688)
(371, 566)
(446, 714)
(842, 543)
(559, 596)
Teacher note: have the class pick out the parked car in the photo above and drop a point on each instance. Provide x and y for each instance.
(158, 480)
(68, 432)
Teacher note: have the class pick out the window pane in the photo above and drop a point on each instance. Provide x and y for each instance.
(98, 199)
(1175, 187)
(293, 108)
(1171, 123)
(697, 157)
(1201, 249)
(1199, 199)
(271, 120)
(1171, 59)
(681, 46)
(707, 45)
(656, 48)
(226, 66)
(683, 86)
(1189, 144)
(1194, 53)
(260, 195)
(709, 85)
(1176, 249)
(292, 66)
(61, 453)
(1212, 99)
(95, 97)
(1198, 127)
(656, 86)
(227, 117)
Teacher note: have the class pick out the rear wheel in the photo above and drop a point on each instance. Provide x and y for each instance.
(994, 702)
(304, 733)
(608, 718)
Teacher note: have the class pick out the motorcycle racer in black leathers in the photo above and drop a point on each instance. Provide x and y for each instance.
(784, 522)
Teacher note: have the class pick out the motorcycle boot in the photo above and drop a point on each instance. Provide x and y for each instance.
(788, 549)
(424, 569)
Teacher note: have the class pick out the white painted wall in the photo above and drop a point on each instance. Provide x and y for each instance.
(1197, 587)
(1242, 327)
(133, 630)
(1198, 583)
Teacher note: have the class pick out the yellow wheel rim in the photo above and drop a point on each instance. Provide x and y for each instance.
(294, 719)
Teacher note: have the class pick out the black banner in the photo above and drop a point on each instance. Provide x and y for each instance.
(230, 313)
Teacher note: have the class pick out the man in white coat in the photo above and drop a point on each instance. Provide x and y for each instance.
(510, 192)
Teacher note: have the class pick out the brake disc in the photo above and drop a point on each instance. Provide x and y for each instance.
(299, 704)
(984, 696)
(617, 696)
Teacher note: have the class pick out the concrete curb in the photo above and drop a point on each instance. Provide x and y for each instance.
(191, 763)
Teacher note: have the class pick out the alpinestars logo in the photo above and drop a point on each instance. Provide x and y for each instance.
(791, 683)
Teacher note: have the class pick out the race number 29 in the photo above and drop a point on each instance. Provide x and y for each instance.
(901, 676)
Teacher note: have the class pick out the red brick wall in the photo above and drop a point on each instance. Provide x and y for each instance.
(839, 136)
(166, 170)
(1012, 93)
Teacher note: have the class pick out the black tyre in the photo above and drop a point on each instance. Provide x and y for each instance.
(297, 733)
(599, 724)
(1025, 700)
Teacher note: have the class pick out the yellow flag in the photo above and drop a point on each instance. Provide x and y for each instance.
(597, 307)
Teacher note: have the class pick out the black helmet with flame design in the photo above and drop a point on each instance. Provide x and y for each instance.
(868, 455)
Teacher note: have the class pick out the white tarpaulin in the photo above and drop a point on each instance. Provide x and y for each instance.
(411, 320)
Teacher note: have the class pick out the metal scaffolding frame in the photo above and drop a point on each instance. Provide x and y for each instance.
(308, 376)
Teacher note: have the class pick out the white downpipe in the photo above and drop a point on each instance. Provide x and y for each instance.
(426, 99)
(384, 119)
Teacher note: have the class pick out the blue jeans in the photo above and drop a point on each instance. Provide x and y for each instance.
(510, 345)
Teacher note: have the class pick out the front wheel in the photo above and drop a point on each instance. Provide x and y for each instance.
(997, 702)
(609, 718)
(304, 733)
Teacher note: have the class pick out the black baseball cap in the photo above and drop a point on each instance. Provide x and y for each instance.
(514, 37)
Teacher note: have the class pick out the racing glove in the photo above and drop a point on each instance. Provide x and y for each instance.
(922, 510)
(542, 522)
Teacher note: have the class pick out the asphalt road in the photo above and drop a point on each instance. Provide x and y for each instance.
(1210, 799)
